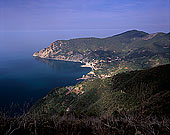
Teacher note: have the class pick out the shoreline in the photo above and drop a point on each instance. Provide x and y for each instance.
(86, 64)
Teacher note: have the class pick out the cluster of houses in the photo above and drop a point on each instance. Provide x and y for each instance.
(75, 89)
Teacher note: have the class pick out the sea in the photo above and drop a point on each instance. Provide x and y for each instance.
(25, 79)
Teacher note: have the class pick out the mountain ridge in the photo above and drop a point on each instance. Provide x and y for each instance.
(136, 49)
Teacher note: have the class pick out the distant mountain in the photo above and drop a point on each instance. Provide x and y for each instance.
(82, 45)
(130, 50)
(118, 43)
(144, 91)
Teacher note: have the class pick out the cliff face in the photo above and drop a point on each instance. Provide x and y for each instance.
(36, 54)
(57, 50)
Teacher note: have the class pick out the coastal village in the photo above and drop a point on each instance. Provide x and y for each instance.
(97, 65)
(78, 89)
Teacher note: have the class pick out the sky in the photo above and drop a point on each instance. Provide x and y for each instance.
(67, 15)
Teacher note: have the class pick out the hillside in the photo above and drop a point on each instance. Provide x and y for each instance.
(105, 89)
(130, 50)
(144, 91)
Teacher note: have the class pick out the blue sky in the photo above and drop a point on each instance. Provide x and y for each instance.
(58, 15)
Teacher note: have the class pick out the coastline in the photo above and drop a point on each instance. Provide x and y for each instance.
(85, 64)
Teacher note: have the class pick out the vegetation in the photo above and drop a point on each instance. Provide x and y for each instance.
(125, 124)
(129, 103)
(145, 91)
(131, 50)
(124, 95)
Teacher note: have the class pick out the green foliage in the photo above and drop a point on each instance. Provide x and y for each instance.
(55, 102)
(130, 91)
(133, 49)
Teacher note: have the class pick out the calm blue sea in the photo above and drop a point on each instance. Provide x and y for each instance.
(25, 79)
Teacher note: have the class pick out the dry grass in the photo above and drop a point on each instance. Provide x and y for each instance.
(83, 125)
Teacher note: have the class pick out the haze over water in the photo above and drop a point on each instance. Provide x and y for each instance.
(25, 79)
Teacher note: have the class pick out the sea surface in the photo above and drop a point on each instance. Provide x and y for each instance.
(23, 78)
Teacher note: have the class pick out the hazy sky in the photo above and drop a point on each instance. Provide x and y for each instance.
(54, 15)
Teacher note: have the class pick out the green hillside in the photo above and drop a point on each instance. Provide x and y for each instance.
(113, 84)
(127, 51)
(145, 91)
(114, 43)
